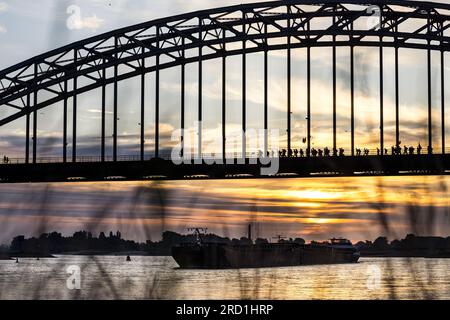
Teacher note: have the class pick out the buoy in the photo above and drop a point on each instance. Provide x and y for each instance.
(17, 260)
(128, 258)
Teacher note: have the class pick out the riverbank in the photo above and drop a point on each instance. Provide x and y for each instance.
(30, 255)
(4, 256)
(109, 253)
(408, 254)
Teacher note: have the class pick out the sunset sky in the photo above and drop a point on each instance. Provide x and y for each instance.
(316, 208)
(309, 208)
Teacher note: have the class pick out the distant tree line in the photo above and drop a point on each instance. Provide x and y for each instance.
(410, 246)
(83, 242)
(80, 241)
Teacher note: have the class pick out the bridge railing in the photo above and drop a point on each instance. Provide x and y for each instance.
(209, 156)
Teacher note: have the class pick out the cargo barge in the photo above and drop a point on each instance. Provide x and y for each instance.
(204, 255)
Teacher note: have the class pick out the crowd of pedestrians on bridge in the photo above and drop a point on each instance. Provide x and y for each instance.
(326, 152)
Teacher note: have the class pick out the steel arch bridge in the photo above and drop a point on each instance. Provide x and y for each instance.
(59, 76)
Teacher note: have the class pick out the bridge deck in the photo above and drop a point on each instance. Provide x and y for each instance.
(159, 169)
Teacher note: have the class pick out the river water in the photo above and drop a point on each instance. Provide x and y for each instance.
(111, 277)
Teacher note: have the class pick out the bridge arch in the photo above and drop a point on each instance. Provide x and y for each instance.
(217, 34)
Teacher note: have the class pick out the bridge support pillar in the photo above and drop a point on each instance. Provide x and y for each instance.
(443, 100)
(200, 92)
(352, 99)
(183, 99)
(74, 111)
(308, 111)
(244, 90)
(334, 89)
(430, 124)
(157, 97)
(397, 98)
(381, 97)
(35, 113)
(27, 132)
(142, 122)
(115, 112)
(65, 123)
(224, 97)
(266, 96)
(103, 112)
(289, 89)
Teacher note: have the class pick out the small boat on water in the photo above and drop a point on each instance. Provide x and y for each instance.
(210, 255)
